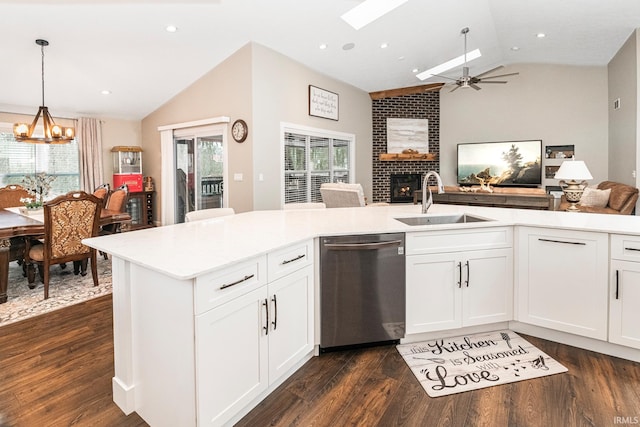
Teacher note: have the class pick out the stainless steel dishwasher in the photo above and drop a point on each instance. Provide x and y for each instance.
(362, 289)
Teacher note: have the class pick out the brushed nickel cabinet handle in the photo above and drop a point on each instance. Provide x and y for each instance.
(237, 282)
(562, 241)
(292, 259)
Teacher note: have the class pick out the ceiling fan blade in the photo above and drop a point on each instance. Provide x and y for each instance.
(475, 86)
(490, 71)
(492, 81)
(455, 88)
(499, 75)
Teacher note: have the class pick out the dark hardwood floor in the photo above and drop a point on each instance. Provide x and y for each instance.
(56, 370)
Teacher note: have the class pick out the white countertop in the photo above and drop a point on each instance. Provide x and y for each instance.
(185, 251)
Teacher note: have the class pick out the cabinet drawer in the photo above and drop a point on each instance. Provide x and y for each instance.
(221, 286)
(287, 260)
(427, 242)
(624, 247)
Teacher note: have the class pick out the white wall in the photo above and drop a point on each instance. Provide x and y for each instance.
(562, 105)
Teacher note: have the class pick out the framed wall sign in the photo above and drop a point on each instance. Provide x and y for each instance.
(323, 103)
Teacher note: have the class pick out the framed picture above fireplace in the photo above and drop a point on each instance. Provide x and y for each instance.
(407, 134)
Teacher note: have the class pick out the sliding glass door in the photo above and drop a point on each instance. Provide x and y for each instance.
(199, 166)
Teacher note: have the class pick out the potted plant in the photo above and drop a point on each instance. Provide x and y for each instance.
(38, 186)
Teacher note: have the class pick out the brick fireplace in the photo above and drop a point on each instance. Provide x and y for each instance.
(424, 105)
(403, 185)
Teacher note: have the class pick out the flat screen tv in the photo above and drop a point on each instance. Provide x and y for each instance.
(500, 164)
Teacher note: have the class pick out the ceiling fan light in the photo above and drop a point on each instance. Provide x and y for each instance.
(368, 11)
(453, 63)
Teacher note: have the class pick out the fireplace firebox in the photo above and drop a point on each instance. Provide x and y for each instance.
(404, 185)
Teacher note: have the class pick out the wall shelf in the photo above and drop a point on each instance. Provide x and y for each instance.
(400, 156)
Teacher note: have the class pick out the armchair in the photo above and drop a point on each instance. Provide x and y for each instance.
(67, 220)
(339, 195)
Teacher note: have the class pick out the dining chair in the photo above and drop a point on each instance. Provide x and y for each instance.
(67, 220)
(10, 198)
(102, 193)
(116, 202)
(208, 213)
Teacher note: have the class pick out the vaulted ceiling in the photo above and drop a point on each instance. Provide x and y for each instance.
(122, 45)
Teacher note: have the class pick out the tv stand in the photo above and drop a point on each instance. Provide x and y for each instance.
(502, 198)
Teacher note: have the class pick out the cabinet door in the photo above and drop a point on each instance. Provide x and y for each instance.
(624, 297)
(290, 321)
(433, 292)
(487, 287)
(563, 280)
(231, 357)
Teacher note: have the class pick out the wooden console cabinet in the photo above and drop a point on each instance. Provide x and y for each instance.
(502, 200)
(140, 207)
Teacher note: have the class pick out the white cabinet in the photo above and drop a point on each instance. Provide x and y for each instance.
(562, 280)
(231, 357)
(624, 291)
(449, 287)
(246, 344)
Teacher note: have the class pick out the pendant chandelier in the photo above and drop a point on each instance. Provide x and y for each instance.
(53, 133)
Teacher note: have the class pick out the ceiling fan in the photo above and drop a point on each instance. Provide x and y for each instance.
(472, 81)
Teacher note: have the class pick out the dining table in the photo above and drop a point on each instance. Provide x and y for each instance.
(14, 222)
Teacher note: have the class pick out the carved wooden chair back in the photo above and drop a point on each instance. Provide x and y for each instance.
(67, 220)
(10, 198)
(11, 194)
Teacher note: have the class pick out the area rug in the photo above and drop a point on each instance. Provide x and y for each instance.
(65, 289)
(464, 363)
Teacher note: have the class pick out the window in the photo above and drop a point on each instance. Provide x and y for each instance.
(310, 159)
(18, 159)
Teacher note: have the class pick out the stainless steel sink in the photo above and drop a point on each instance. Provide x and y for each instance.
(442, 219)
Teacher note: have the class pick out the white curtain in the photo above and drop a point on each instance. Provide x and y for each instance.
(89, 137)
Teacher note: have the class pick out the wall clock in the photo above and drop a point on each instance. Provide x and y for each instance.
(239, 130)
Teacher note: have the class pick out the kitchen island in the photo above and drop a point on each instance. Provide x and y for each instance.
(178, 291)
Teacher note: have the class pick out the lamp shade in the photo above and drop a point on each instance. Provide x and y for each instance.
(573, 170)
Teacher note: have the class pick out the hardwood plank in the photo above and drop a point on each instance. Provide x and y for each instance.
(56, 369)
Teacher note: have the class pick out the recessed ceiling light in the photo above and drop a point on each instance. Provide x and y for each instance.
(106, 92)
(171, 28)
(401, 58)
(368, 11)
(515, 48)
(455, 62)
(415, 70)
(384, 45)
(323, 46)
(348, 46)
(541, 35)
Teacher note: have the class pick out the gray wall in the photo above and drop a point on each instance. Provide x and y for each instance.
(561, 105)
(623, 122)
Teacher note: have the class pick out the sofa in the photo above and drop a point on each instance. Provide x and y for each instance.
(622, 199)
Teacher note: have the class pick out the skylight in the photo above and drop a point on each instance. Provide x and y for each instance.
(455, 62)
(370, 10)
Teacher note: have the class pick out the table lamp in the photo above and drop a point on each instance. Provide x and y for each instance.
(570, 172)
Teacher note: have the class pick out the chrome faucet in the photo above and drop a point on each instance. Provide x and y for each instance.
(425, 186)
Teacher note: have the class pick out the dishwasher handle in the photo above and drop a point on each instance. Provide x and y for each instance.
(362, 246)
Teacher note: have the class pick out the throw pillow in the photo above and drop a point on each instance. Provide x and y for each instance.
(595, 198)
